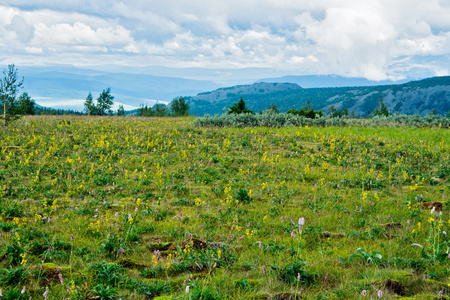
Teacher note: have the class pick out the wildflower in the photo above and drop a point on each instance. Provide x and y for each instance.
(364, 292)
(24, 261)
(264, 269)
(380, 294)
(441, 292)
(1, 295)
(200, 227)
(71, 236)
(293, 234)
(60, 278)
(187, 289)
(241, 237)
(116, 214)
(45, 294)
(298, 277)
(154, 261)
(433, 209)
(301, 221)
(23, 290)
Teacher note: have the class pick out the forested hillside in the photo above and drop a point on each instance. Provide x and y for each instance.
(415, 97)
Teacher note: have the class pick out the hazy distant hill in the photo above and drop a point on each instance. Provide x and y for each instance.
(415, 97)
(319, 81)
(67, 87)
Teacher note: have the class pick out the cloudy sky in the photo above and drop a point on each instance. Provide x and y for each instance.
(376, 39)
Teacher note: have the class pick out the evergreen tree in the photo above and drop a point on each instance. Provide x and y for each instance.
(121, 111)
(25, 105)
(179, 107)
(160, 110)
(104, 102)
(239, 108)
(9, 87)
(89, 105)
(273, 108)
(345, 112)
(381, 109)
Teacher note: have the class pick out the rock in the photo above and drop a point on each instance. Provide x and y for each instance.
(395, 287)
(131, 264)
(329, 234)
(391, 226)
(436, 204)
(287, 296)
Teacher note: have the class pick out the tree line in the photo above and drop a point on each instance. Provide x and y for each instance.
(177, 108)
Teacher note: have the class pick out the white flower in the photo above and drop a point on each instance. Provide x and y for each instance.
(432, 210)
(301, 221)
(187, 289)
(23, 290)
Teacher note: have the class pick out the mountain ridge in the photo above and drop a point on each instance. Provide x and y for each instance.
(414, 97)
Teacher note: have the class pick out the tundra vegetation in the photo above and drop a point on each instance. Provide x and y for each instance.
(172, 208)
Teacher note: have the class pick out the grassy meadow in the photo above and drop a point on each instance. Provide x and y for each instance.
(142, 208)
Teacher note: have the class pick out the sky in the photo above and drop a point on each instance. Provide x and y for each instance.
(375, 39)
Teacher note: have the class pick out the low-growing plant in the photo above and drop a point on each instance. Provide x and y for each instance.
(110, 274)
(14, 276)
(373, 258)
(104, 292)
(243, 195)
(154, 289)
(294, 273)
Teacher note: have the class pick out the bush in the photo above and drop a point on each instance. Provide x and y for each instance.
(270, 119)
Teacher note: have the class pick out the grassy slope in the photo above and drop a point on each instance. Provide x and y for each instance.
(193, 186)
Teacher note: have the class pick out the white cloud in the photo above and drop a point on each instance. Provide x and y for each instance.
(34, 50)
(348, 37)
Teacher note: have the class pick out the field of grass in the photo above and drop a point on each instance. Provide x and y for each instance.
(137, 208)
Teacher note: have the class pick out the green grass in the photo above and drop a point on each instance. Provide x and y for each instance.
(136, 208)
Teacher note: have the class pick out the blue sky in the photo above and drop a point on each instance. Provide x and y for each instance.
(376, 39)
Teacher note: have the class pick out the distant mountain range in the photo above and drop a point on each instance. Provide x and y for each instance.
(318, 81)
(66, 87)
(415, 97)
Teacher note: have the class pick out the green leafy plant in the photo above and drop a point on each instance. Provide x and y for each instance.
(110, 274)
(14, 276)
(105, 292)
(294, 273)
(373, 258)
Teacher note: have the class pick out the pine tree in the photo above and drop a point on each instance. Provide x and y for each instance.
(381, 109)
(121, 111)
(89, 105)
(9, 87)
(104, 102)
(239, 108)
